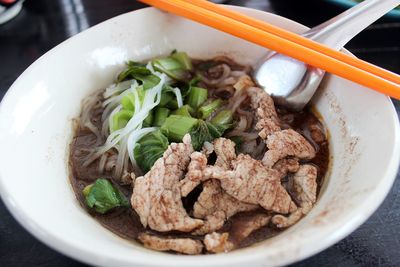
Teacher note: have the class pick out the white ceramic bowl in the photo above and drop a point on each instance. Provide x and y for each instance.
(35, 130)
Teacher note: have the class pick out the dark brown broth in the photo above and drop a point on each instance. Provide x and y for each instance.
(126, 223)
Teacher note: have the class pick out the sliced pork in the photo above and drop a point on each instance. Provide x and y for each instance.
(286, 143)
(305, 190)
(156, 196)
(267, 118)
(240, 230)
(180, 245)
(253, 183)
(215, 206)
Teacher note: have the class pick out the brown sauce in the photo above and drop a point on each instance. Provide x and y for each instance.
(126, 223)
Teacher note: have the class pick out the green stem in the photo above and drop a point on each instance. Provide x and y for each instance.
(176, 126)
(149, 120)
(224, 117)
(197, 96)
(160, 115)
(185, 110)
(206, 111)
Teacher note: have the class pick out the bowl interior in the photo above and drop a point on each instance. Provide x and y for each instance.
(35, 123)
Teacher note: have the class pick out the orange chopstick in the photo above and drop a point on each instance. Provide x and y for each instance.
(298, 39)
(279, 44)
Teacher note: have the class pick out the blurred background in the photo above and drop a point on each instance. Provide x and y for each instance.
(28, 31)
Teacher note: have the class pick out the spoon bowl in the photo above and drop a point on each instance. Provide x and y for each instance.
(292, 83)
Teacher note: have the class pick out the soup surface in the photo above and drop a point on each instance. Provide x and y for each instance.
(206, 164)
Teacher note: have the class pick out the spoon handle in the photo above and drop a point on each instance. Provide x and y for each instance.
(339, 30)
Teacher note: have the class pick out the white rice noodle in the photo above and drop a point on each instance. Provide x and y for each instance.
(137, 100)
(102, 163)
(237, 102)
(121, 158)
(117, 98)
(226, 70)
(178, 95)
(238, 73)
(114, 101)
(117, 88)
(151, 99)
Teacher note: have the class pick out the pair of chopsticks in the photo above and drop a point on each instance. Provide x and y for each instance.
(284, 42)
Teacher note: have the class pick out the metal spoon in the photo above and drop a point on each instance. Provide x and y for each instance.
(291, 82)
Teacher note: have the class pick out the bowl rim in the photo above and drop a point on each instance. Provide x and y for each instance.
(239, 256)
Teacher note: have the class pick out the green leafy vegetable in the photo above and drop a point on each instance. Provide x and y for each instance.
(166, 97)
(139, 72)
(185, 110)
(195, 81)
(128, 100)
(160, 115)
(223, 120)
(177, 66)
(150, 148)
(176, 126)
(208, 131)
(149, 81)
(149, 119)
(103, 196)
(183, 59)
(120, 119)
(207, 110)
(197, 96)
(204, 131)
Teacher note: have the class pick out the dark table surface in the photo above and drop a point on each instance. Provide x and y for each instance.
(42, 24)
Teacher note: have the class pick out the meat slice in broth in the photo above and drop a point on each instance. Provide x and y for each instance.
(241, 229)
(253, 183)
(156, 196)
(305, 190)
(285, 166)
(225, 151)
(287, 143)
(181, 245)
(267, 118)
(215, 206)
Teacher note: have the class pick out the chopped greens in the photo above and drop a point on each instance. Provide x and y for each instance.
(197, 96)
(139, 72)
(153, 104)
(223, 120)
(185, 110)
(177, 66)
(149, 119)
(176, 126)
(102, 196)
(208, 131)
(160, 115)
(150, 148)
(207, 110)
(204, 132)
(120, 119)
